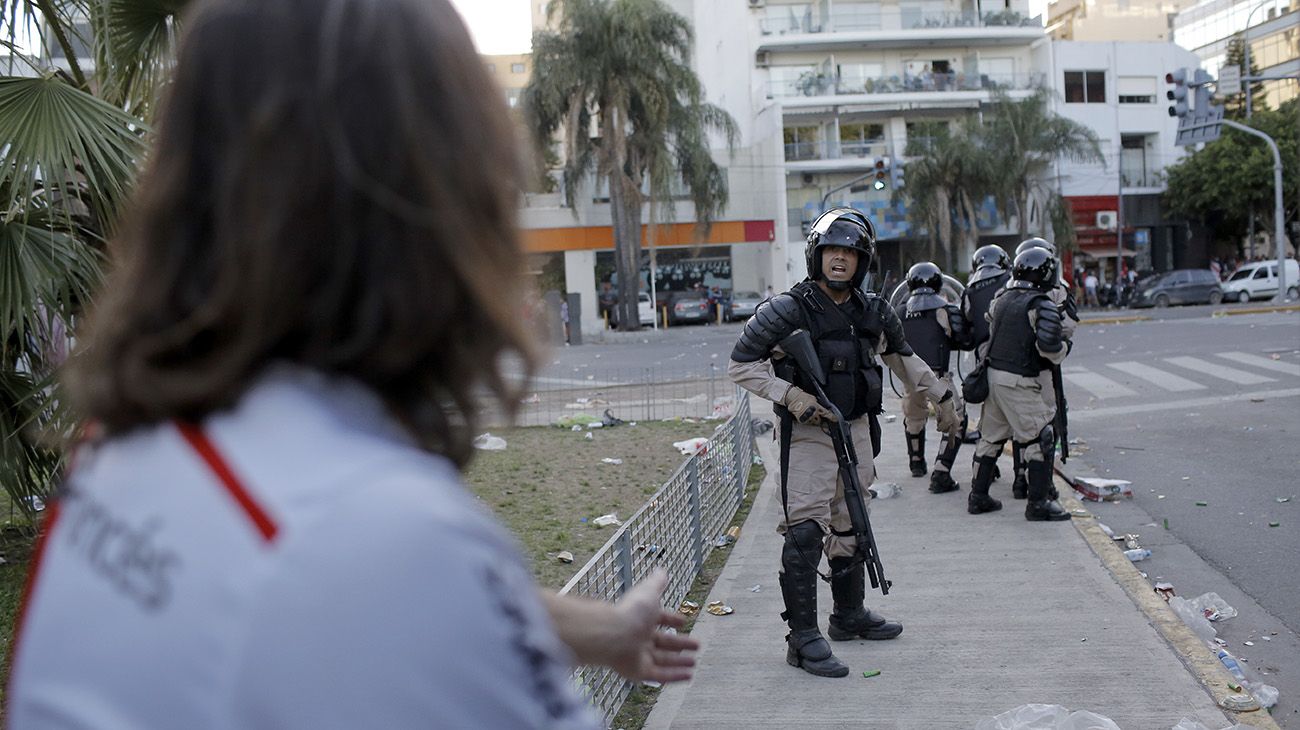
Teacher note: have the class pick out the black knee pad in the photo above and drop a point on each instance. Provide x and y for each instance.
(803, 544)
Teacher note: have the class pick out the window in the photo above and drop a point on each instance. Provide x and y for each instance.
(1137, 90)
(516, 68)
(1085, 87)
(803, 143)
(1260, 273)
(861, 140)
(491, 67)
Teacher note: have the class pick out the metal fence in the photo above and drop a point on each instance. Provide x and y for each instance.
(675, 530)
(636, 394)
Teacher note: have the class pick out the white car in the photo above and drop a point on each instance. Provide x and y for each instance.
(645, 309)
(1259, 281)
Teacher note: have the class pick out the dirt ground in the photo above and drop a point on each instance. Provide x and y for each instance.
(550, 483)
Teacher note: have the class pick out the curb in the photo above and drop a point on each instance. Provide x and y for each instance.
(1256, 310)
(1114, 320)
(1195, 655)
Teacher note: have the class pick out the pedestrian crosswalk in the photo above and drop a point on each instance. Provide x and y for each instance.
(1180, 374)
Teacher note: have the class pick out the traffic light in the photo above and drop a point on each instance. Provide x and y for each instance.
(1178, 94)
(896, 175)
(1201, 81)
(882, 173)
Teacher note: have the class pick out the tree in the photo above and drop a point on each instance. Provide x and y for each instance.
(72, 141)
(1234, 105)
(1027, 138)
(949, 172)
(622, 68)
(1221, 183)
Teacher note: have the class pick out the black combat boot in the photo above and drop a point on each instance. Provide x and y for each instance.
(979, 500)
(850, 619)
(940, 479)
(1042, 507)
(805, 646)
(1019, 487)
(916, 453)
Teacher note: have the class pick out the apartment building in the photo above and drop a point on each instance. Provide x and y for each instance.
(1117, 89)
(511, 72)
(1113, 20)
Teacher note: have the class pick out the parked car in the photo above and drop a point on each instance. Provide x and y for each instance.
(688, 307)
(1180, 286)
(743, 304)
(645, 309)
(1259, 281)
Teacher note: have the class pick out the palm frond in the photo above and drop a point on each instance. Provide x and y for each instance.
(60, 137)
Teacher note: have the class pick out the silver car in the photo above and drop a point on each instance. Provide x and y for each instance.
(743, 304)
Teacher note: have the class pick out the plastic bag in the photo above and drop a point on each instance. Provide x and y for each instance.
(1213, 607)
(488, 442)
(1046, 717)
(690, 447)
(1193, 617)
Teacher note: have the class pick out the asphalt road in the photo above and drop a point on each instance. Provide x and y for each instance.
(1202, 415)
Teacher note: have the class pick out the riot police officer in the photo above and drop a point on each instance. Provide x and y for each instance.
(990, 270)
(934, 328)
(1063, 298)
(853, 333)
(1025, 340)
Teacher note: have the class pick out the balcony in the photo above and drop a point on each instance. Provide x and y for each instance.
(941, 87)
(891, 26)
(868, 149)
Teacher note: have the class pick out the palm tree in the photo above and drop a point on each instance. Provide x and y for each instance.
(1027, 138)
(948, 173)
(622, 68)
(72, 142)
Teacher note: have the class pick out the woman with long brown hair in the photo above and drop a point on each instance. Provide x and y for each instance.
(315, 290)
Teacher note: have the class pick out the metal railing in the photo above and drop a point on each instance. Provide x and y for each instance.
(824, 85)
(631, 394)
(824, 150)
(675, 530)
(874, 16)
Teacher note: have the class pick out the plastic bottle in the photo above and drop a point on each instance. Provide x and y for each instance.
(1137, 554)
(1230, 662)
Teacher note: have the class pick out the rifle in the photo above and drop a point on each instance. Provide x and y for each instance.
(798, 345)
(1062, 420)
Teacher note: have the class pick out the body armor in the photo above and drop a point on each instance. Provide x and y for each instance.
(926, 336)
(1016, 348)
(979, 295)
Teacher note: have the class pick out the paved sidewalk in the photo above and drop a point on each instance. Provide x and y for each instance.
(998, 612)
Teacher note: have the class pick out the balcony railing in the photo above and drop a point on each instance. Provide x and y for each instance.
(824, 150)
(822, 85)
(1141, 178)
(871, 16)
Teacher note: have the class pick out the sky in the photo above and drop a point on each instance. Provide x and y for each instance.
(498, 26)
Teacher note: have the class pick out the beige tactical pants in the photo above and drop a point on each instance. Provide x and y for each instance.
(814, 490)
(1017, 408)
(916, 407)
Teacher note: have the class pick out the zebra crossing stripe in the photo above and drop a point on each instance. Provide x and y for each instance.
(1156, 377)
(1098, 385)
(1262, 362)
(1214, 370)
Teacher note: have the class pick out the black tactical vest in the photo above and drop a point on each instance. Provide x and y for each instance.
(844, 341)
(1015, 348)
(978, 295)
(926, 336)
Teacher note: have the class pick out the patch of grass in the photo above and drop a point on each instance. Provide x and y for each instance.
(636, 708)
(16, 549)
(549, 484)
